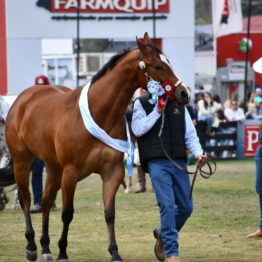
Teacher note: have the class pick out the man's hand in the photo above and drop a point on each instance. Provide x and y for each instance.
(201, 159)
(161, 105)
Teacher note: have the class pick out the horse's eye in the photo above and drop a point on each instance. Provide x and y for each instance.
(159, 68)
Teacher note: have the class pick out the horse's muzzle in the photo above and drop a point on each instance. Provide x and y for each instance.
(182, 96)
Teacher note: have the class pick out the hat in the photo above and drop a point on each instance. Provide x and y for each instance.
(258, 99)
(257, 66)
(41, 80)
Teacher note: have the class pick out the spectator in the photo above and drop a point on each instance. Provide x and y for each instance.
(234, 113)
(250, 107)
(206, 112)
(217, 99)
(128, 116)
(141, 175)
(38, 165)
(4, 152)
(37, 183)
(227, 103)
(256, 112)
(258, 159)
(198, 96)
(258, 91)
(257, 66)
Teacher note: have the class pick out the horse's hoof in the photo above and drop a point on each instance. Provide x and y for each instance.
(117, 259)
(46, 257)
(63, 260)
(31, 255)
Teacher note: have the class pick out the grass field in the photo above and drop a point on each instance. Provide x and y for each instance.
(226, 210)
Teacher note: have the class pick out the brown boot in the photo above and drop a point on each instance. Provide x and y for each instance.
(159, 246)
(173, 259)
(257, 234)
(141, 179)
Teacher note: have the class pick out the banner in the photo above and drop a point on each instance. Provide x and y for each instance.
(227, 17)
(105, 6)
(251, 140)
(247, 138)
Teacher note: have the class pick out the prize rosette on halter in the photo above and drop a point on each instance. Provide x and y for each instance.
(160, 92)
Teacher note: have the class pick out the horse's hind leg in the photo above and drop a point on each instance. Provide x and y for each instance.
(52, 185)
(68, 186)
(22, 167)
(111, 181)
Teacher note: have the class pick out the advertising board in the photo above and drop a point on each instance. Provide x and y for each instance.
(247, 138)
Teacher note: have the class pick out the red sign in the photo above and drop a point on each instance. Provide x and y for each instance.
(110, 6)
(251, 140)
(3, 49)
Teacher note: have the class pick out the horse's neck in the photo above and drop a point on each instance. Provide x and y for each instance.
(108, 99)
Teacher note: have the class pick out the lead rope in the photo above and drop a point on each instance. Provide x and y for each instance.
(199, 168)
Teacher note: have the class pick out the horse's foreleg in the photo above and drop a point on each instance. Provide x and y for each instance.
(111, 183)
(52, 185)
(68, 186)
(22, 172)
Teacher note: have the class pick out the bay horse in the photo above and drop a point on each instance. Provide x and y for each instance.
(46, 122)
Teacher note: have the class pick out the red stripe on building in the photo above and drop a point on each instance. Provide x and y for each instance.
(3, 50)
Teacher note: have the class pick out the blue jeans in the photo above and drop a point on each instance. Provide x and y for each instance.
(172, 188)
(209, 119)
(37, 180)
(258, 159)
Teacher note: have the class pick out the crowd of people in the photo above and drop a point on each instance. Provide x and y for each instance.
(211, 110)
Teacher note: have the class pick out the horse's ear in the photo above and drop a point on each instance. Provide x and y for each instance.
(147, 38)
(140, 44)
(143, 44)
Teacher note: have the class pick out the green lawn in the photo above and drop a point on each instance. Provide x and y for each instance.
(226, 210)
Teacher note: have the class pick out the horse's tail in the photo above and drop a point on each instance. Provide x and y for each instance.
(7, 177)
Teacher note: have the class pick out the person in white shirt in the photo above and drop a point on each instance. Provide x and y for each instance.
(206, 111)
(234, 113)
(171, 185)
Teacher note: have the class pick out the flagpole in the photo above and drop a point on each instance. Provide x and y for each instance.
(154, 21)
(214, 37)
(77, 43)
(247, 51)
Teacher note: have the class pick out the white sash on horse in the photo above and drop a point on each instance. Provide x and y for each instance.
(100, 134)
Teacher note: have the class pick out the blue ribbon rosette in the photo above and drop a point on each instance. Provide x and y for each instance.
(156, 90)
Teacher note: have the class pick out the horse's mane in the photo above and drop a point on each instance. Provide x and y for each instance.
(109, 65)
(112, 62)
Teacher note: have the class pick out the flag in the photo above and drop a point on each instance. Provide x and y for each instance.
(227, 17)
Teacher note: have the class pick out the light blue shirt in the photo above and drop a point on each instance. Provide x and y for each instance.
(142, 123)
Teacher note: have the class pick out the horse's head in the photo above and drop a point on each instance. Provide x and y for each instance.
(155, 66)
